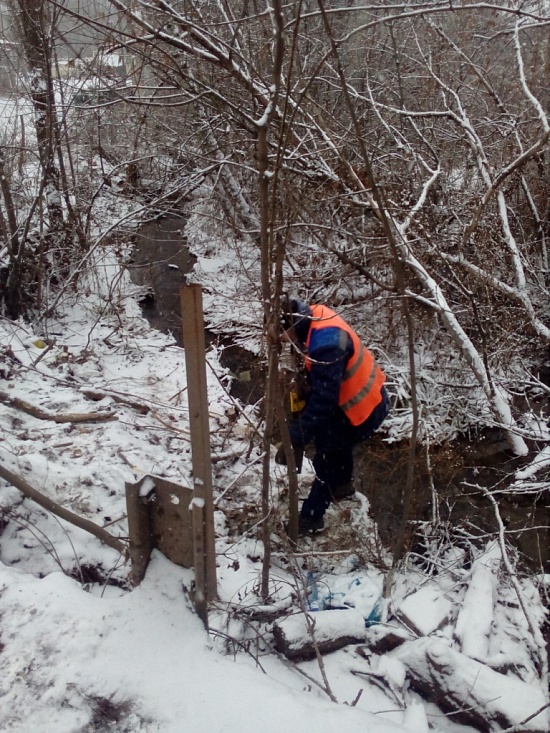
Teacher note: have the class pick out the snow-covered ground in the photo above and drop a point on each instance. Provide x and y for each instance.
(93, 399)
(82, 651)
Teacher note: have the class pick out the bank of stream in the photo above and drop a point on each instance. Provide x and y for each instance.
(160, 263)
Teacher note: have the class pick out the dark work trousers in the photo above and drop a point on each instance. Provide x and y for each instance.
(333, 459)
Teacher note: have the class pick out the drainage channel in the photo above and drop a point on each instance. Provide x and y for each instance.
(161, 260)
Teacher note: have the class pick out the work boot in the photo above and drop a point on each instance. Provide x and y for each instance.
(309, 525)
(344, 491)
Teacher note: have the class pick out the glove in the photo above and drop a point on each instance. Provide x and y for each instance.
(280, 456)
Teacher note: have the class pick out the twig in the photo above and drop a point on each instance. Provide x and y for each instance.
(95, 394)
(168, 425)
(43, 353)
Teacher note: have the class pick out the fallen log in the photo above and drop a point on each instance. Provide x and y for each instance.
(425, 611)
(472, 692)
(473, 623)
(300, 636)
(53, 507)
(383, 638)
(41, 414)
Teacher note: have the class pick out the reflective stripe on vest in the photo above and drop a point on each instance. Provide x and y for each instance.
(360, 391)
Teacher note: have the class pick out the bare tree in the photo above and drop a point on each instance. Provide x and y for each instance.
(409, 159)
(391, 159)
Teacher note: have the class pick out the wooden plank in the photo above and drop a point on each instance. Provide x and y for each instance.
(195, 363)
(139, 531)
(171, 521)
(158, 517)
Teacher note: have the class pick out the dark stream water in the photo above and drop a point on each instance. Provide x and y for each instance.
(160, 263)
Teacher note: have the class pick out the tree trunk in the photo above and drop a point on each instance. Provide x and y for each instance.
(35, 28)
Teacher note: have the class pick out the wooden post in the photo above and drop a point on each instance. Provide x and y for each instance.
(202, 503)
(201, 580)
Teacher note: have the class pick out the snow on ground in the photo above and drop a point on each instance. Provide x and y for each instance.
(139, 661)
(81, 651)
(79, 656)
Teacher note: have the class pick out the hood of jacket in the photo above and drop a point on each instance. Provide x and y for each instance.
(301, 316)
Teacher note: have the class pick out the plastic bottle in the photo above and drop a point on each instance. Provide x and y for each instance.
(312, 592)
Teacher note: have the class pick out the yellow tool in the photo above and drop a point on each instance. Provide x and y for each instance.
(297, 403)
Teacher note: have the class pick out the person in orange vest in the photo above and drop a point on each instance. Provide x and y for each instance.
(347, 402)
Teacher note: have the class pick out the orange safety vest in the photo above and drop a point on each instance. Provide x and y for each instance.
(360, 391)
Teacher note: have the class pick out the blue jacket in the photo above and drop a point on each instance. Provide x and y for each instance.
(329, 351)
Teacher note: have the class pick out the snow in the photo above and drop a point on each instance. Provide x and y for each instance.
(480, 686)
(537, 464)
(78, 650)
(474, 622)
(81, 650)
(328, 624)
(426, 610)
(146, 649)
